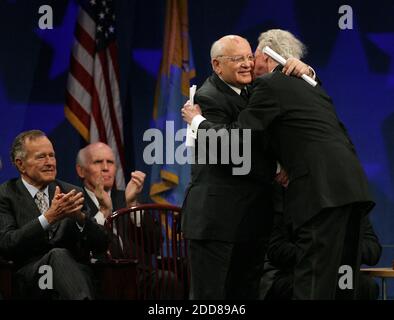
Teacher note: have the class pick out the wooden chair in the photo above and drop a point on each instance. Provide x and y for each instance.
(116, 279)
(150, 234)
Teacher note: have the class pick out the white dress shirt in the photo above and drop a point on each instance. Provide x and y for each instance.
(100, 216)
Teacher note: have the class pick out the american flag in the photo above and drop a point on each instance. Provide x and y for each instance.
(92, 98)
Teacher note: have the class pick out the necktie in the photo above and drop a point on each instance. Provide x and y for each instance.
(43, 206)
(41, 202)
(244, 94)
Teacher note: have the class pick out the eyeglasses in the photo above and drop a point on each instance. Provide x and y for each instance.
(238, 59)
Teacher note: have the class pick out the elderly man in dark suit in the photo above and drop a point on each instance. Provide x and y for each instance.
(96, 167)
(227, 217)
(327, 194)
(43, 223)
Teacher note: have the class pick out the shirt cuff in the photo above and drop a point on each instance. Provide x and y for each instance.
(278, 167)
(100, 218)
(195, 124)
(44, 222)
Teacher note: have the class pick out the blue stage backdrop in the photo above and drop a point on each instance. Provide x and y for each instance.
(355, 65)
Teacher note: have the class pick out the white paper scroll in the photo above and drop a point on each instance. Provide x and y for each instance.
(278, 58)
(189, 136)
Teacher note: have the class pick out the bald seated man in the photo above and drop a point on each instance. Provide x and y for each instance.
(96, 167)
(227, 218)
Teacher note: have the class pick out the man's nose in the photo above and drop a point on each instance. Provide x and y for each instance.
(49, 160)
(247, 64)
(105, 166)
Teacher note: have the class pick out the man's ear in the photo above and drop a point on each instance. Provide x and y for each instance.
(271, 63)
(80, 171)
(19, 165)
(216, 66)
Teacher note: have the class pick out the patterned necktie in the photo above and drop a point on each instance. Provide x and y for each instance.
(41, 202)
(43, 206)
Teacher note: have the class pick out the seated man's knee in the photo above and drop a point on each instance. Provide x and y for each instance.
(58, 253)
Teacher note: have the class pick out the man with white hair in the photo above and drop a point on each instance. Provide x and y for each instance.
(227, 218)
(283, 43)
(327, 194)
(96, 166)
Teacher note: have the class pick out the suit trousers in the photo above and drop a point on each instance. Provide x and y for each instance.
(71, 280)
(328, 241)
(282, 288)
(224, 270)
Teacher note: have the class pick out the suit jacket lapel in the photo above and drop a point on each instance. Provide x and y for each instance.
(26, 201)
(90, 204)
(237, 103)
(51, 192)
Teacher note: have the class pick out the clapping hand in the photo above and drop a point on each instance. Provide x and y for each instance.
(103, 197)
(134, 187)
(64, 205)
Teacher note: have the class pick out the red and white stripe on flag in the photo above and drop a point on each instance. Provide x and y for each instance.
(92, 98)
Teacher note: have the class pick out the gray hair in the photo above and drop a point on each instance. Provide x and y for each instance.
(81, 158)
(216, 49)
(283, 42)
(18, 150)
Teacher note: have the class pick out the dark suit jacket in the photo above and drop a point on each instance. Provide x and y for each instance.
(219, 205)
(22, 237)
(310, 142)
(150, 228)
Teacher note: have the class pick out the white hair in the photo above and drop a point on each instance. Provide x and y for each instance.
(218, 46)
(216, 49)
(82, 155)
(283, 42)
(81, 158)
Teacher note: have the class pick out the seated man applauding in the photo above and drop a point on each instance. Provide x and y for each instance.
(44, 228)
(96, 167)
